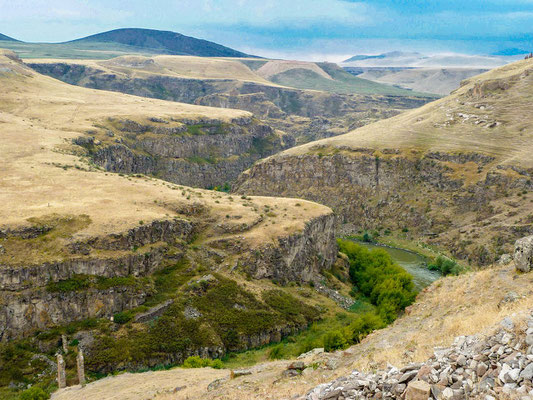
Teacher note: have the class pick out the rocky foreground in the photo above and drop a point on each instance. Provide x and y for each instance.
(499, 366)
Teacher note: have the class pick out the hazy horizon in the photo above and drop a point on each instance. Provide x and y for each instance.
(303, 29)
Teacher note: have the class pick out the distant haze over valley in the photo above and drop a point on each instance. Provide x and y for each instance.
(444, 60)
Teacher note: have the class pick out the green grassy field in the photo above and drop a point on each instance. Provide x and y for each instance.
(94, 51)
(342, 83)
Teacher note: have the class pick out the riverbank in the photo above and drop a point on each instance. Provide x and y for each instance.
(414, 263)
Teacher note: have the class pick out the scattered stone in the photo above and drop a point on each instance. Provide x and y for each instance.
(417, 390)
(191, 313)
(474, 367)
(240, 372)
(505, 259)
(507, 324)
(297, 365)
(527, 373)
(212, 386)
(407, 376)
(289, 373)
(314, 352)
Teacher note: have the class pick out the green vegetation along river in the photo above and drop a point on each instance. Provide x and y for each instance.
(413, 263)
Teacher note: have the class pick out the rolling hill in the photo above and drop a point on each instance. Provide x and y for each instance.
(327, 77)
(164, 42)
(121, 42)
(244, 83)
(7, 38)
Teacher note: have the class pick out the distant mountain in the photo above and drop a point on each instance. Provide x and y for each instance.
(164, 41)
(7, 38)
(399, 59)
(391, 54)
(511, 52)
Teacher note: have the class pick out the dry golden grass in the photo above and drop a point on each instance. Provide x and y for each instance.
(439, 126)
(39, 116)
(151, 385)
(275, 67)
(175, 66)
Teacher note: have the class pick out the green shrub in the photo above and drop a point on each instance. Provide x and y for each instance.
(364, 325)
(195, 362)
(122, 317)
(334, 341)
(446, 266)
(367, 237)
(198, 362)
(34, 393)
(217, 364)
(388, 286)
(76, 283)
(276, 352)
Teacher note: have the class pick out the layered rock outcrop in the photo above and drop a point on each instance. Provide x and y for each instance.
(197, 153)
(389, 189)
(299, 257)
(90, 285)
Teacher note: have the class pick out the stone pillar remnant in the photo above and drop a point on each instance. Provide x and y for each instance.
(61, 374)
(81, 367)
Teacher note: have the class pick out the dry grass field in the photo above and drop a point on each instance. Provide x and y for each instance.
(490, 113)
(174, 66)
(40, 175)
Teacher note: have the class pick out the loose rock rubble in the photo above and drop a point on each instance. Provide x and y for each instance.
(495, 367)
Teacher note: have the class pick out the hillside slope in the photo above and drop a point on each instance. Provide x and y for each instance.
(327, 77)
(433, 80)
(118, 261)
(165, 42)
(455, 173)
(302, 115)
(7, 38)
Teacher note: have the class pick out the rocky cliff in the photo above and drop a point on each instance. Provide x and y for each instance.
(107, 275)
(419, 193)
(193, 152)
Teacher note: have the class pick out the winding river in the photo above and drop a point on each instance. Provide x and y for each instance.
(413, 263)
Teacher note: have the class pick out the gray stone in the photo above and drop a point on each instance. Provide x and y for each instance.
(507, 323)
(505, 259)
(61, 374)
(523, 254)
(527, 373)
(406, 377)
(461, 360)
(80, 364)
(240, 372)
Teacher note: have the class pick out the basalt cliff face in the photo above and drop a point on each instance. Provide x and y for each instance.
(197, 152)
(107, 275)
(454, 174)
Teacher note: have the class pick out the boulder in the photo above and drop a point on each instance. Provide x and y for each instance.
(417, 390)
(523, 254)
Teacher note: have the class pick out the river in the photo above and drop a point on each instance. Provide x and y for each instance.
(413, 263)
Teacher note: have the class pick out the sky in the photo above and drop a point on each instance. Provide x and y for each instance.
(329, 30)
